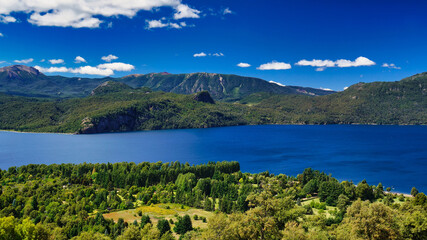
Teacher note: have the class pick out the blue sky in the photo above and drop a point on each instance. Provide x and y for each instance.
(273, 37)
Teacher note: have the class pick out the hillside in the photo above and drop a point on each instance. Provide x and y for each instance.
(27, 81)
(128, 110)
(401, 102)
(115, 107)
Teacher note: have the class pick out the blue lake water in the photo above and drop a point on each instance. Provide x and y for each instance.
(396, 156)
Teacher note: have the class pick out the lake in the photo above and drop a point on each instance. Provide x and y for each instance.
(396, 156)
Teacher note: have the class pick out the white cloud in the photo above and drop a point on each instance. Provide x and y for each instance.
(1, 35)
(156, 24)
(360, 61)
(106, 69)
(117, 66)
(345, 88)
(159, 24)
(184, 11)
(243, 65)
(326, 89)
(7, 19)
(274, 65)
(316, 63)
(277, 83)
(86, 13)
(52, 69)
(89, 70)
(79, 59)
(109, 58)
(202, 54)
(56, 61)
(218, 54)
(25, 61)
(390, 65)
(1, 62)
(323, 64)
(227, 11)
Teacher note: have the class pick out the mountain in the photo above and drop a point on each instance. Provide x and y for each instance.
(27, 81)
(220, 86)
(115, 107)
(401, 102)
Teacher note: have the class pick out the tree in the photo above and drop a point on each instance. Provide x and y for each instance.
(330, 191)
(342, 202)
(311, 187)
(414, 191)
(183, 225)
(91, 236)
(364, 191)
(7, 229)
(163, 226)
(420, 199)
(131, 233)
(144, 220)
(369, 221)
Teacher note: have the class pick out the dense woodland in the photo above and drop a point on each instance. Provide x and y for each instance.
(114, 107)
(68, 201)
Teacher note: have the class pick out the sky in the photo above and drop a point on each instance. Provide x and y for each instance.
(321, 44)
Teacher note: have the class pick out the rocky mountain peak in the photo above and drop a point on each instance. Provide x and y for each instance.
(16, 71)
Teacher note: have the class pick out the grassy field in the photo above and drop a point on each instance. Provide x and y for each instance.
(318, 211)
(161, 211)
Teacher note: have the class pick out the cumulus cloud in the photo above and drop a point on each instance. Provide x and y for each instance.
(109, 58)
(106, 69)
(1, 35)
(323, 64)
(274, 65)
(86, 13)
(202, 54)
(25, 61)
(117, 66)
(390, 65)
(277, 83)
(88, 70)
(160, 24)
(184, 11)
(7, 19)
(56, 61)
(243, 65)
(79, 59)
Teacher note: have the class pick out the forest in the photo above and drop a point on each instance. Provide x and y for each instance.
(86, 201)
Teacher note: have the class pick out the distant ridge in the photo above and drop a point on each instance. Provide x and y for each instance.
(28, 81)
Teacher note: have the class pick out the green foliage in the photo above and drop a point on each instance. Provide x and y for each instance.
(183, 225)
(145, 219)
(364, 191)
(330, 191)
(66, 202)
(163, 226)
(414, 191)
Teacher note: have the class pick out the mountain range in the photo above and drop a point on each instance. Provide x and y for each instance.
(27, 81)
(114, 106)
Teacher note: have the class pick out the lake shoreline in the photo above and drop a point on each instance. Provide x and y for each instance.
(272, 124)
